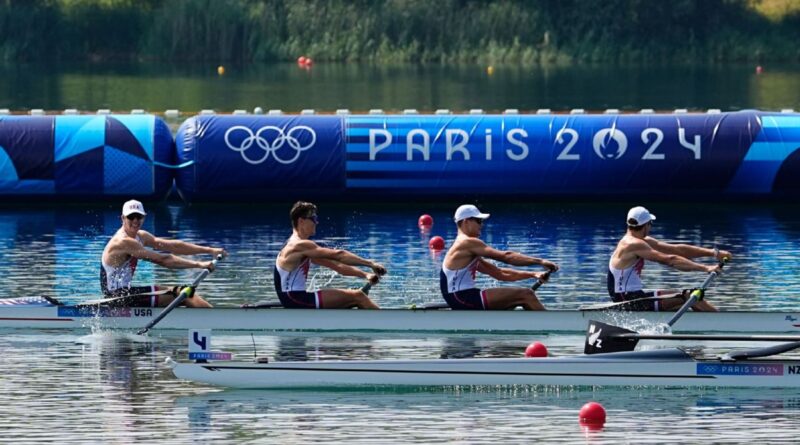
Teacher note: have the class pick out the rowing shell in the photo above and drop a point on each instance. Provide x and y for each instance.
(396, 320)
(663, 367)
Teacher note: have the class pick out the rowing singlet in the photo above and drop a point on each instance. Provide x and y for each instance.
(294, 280)
(291, 287)
(621, 281)
(458, 288)
(460, 279)
(118, 277)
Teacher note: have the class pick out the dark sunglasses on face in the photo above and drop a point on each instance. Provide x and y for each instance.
(477, 220)
(134, 216)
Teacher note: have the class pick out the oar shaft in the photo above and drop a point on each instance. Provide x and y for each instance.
(693, 297)
(179, 299)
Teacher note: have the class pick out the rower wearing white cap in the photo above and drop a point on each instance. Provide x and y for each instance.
(627, 261)
(129, 245)
(466, 257)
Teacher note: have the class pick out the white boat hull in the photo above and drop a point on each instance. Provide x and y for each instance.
(668, 367)
(399, 320)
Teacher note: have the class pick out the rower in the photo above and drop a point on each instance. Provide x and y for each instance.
(129, 245)
(627, 262)
(466, 257)
(295, 258)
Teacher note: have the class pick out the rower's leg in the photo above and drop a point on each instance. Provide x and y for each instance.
(500, 298)
(346, 298)
(704, 306)
(196, 301)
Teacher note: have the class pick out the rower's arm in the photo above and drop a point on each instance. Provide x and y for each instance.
(167, 260)
(672, 260)
(178, 247)
(341, 269)
(686, 250)
(509, 257)
(504, 274)
(311, 250)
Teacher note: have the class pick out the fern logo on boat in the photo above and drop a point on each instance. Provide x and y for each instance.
(284, 145)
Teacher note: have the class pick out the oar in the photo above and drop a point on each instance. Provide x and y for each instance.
(603, 337)
(186, 292)
(697, 293)
(535, 286)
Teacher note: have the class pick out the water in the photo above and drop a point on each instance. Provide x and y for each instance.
(70, 388)
(360, 87)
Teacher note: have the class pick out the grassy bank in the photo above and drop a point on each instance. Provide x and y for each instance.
(510, 31)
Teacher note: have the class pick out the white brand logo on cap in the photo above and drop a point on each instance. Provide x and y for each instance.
(133, 206)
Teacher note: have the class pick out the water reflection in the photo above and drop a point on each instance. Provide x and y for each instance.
(513, 415)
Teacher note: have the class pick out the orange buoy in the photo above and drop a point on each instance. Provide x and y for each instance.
(221, 70)
(592, 413)
(425, 221)
(436, 243)
(536, 349)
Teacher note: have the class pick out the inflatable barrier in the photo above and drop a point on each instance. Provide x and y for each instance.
(739, 153)
(85, 156)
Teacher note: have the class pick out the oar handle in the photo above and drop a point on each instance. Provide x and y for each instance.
(541, 281)
(693, 297)
(185, 293)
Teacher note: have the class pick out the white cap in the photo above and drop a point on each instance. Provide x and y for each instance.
(639, 216)
(469, 211)
(133, 206)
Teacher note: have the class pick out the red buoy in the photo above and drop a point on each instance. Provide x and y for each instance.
(536, 349)
(759, 69)
(309, 61)
(302, 60)
(592, 413)
(436, 243)
(425, 221)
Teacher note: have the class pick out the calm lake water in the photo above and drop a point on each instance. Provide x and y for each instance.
(360, 87)
(77, 387)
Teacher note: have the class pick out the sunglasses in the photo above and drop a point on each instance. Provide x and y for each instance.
(477, 220)
(313, 218)
(134, 216)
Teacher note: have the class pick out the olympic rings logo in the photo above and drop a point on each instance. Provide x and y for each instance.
(270, 139)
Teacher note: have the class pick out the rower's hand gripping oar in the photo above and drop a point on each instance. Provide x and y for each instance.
(602, 337)
(697, 294)
(379, 272)
(186, 292)
(543, 279)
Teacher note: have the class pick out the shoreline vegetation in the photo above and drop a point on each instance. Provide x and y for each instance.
(392, 31)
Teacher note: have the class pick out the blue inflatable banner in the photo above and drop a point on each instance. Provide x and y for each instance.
(739, 153)
(260, 156)
(85, 156)
(588, 155)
